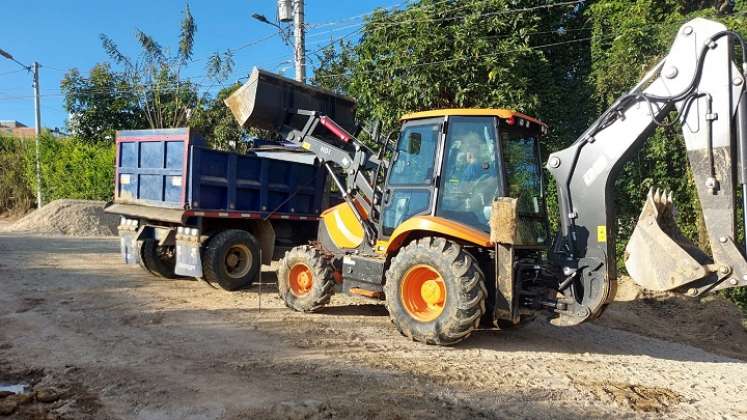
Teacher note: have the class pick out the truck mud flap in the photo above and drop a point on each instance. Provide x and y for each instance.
(128, 234)
(188, 258)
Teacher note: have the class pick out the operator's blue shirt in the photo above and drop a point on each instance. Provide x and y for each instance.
(472, 171)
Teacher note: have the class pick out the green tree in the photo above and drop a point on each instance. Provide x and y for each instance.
(472, 53)
(155, 76)
(100, 104)
(216, 122)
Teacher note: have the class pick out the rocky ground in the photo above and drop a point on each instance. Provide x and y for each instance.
(93, 338)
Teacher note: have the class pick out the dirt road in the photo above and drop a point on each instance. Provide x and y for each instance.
(113, 342)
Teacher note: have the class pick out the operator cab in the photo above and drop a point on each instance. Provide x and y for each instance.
(452, 163)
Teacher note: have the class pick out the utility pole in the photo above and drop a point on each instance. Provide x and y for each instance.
(284, 11)
(299, 44)
(37, 118)
(37, 125)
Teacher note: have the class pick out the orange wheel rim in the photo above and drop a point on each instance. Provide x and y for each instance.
(423, 293)
(300, 279)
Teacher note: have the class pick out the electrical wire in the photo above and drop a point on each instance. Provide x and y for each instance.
(417, 8)
(176, 84)
(377, 26)
(13, 72)
(451, 60)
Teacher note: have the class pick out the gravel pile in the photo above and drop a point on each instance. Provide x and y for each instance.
(68, 217)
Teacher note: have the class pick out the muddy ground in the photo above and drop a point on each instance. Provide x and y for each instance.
(96, 339)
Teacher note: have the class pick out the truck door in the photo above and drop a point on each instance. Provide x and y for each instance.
(411, 179)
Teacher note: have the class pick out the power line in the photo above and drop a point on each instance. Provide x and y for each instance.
(422, 64)
(176, 84)
(422, 7)
(12, 72)
(417, 8)
(429, 63)
(391, 24)
(326, 45)
(385, 25)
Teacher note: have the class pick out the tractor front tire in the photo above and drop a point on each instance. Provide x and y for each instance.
(231, 259)
(435, 291)
(159, 261)
(306, 279)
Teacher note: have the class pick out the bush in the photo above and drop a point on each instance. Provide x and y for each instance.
(16, 194)
(71, 168)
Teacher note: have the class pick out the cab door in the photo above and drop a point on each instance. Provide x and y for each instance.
(409, 190)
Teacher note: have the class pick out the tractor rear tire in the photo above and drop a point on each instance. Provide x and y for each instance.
(231, 259)
(435, 291)
(306, 279)
(159, 261)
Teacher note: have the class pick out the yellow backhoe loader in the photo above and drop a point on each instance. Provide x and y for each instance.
(452, 230)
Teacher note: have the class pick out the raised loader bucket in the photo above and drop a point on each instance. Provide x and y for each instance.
(268, 101)
(658, 256)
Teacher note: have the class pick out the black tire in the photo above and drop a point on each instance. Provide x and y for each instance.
(463, 304)
(314, 292)
(231, 259)
(159, 261)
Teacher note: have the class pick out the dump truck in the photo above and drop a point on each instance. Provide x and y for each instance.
(452, 230)
(191, 211)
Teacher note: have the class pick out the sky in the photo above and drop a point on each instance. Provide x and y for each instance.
(61, 35)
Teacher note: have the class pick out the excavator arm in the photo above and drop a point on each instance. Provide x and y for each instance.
(699, 81)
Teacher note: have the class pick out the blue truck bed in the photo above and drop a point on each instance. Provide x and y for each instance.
(170, 175)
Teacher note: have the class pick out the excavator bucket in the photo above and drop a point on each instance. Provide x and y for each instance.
(658, 256)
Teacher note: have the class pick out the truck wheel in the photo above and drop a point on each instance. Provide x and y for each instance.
(231, 259)
(435, 291)
(159, 261)
(305, 279)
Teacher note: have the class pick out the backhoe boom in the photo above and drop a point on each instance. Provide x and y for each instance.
(698, 80)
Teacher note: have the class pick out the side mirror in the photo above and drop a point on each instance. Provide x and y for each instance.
(414, 139)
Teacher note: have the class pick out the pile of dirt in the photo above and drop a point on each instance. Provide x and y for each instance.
(712, 322)
(68, 217)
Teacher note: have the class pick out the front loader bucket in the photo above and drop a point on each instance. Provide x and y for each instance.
(269, 101)
(658, 257)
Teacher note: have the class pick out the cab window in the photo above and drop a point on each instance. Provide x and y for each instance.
(415, 155)
(409, 191)
(524, 182)
(523, 172)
